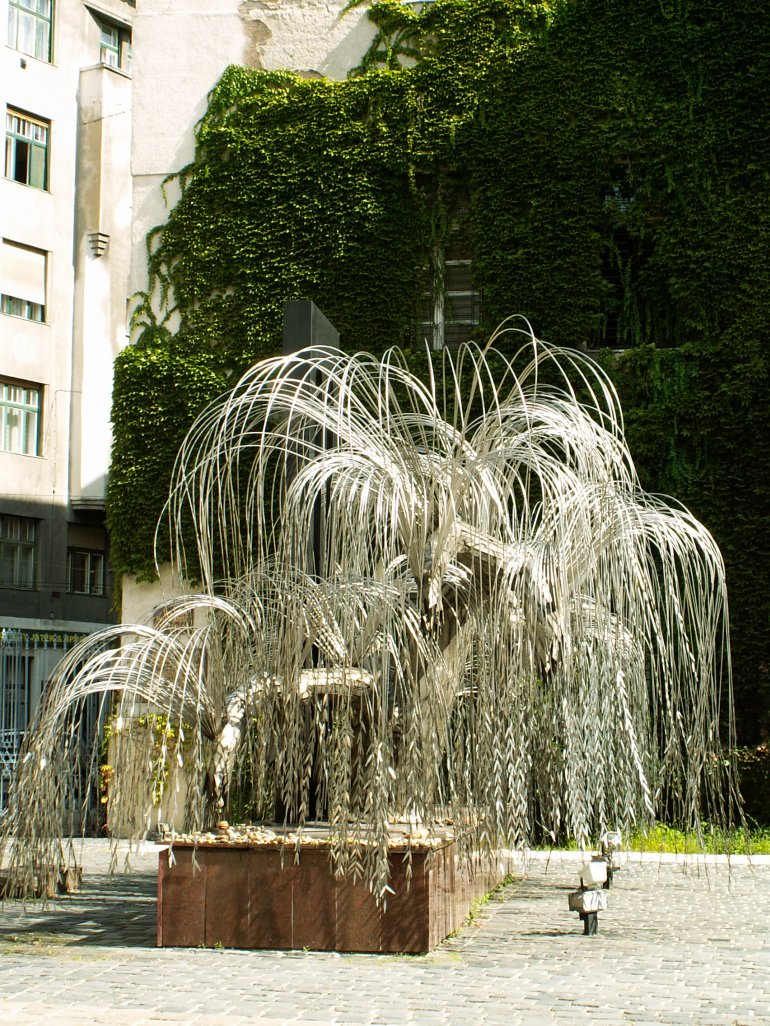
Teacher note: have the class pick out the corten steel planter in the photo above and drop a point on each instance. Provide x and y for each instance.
(243, 897)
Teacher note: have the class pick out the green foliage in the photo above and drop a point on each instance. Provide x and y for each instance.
(697, 423)
(165, 737)
(159, 388)
(163, 730)
(615, 163)
(299, 189)
(754, 770)
(664, 838)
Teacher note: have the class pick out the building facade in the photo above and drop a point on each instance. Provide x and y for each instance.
(171, 86)
(65, 215)
(91, 136)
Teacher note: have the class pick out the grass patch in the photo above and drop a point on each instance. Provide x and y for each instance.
(662, 838)
(713, 841)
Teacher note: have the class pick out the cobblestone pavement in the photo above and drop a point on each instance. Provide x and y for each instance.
(681, 942)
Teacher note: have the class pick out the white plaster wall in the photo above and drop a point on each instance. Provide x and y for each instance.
(100, 332)
(139, 598)
(305, 35)
(172, 82)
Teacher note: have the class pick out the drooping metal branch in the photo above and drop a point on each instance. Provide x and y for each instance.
(446, 600)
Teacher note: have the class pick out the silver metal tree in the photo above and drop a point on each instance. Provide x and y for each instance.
(442, 600)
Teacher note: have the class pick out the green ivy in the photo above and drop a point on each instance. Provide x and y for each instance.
(158, 390)
(614, 161)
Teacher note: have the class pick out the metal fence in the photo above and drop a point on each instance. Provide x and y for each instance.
(27, 662)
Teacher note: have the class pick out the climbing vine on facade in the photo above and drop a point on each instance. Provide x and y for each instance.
(612, 165)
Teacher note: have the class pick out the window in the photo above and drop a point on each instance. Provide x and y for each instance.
(17, 551)
(115, 49)
(29, 27)
(451, 305)
(628, 244)
(85, 572)
(26, 149)
(22, 281)
(16, 676)
(19, 418)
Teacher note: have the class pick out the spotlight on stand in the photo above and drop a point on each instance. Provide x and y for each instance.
(611, 842)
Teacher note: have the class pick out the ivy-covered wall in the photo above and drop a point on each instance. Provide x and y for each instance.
(614, 159)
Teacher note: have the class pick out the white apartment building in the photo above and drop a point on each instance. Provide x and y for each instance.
(65, 215)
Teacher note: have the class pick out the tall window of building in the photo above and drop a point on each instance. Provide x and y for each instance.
(19, 418)
(26, 149)
(22, 281)
(115, 49)
(17, 551)
(450, 301)
(631, 314)
(85, 572)
(29, 27)
(451, 305)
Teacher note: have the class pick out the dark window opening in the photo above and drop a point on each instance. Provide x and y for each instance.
(450, 307)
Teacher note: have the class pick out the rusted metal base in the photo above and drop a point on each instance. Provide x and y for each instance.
(243, 897)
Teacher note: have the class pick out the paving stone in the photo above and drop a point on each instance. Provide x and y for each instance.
(681, 943)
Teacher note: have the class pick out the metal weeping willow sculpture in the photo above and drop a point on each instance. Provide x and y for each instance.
(444, 600)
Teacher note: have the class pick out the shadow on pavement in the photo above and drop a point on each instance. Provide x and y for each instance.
(117, 911)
